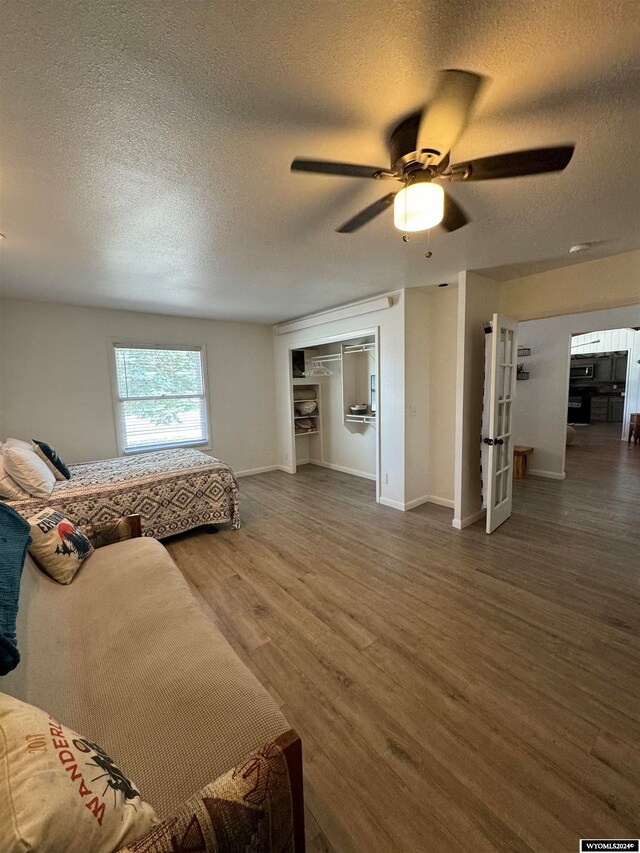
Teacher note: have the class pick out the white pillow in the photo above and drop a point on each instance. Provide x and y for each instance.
(59, 791)
(27, 469)
(9, 489)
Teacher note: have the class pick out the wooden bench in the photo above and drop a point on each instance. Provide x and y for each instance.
(520, 461)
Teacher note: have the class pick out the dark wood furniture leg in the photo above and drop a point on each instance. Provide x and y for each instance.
(135, 522)
(291, 746)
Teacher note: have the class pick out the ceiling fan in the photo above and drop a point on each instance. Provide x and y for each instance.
(420, 147)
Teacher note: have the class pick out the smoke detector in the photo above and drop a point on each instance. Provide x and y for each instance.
(579, 248)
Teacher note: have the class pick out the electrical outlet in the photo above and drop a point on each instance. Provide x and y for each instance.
(385, 479)
(412, 411)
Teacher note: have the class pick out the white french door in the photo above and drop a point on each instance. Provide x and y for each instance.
(502, 386)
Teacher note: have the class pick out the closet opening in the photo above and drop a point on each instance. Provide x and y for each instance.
(335, 405)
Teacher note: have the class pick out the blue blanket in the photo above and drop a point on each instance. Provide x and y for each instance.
(14, 541)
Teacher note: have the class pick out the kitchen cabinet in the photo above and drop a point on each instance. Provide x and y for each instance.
(603, 368)
(619, 370)
(616, 409)
(599, 409)
(610, 368)
(607, 408)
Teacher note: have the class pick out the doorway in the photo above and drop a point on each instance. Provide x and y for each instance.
(601, 377)
(335, 404)
(582, 385)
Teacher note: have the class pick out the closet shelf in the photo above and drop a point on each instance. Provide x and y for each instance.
(311, 387)
(353, 348)
(360, 419)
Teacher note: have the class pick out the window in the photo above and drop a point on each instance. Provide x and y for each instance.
(159, 396)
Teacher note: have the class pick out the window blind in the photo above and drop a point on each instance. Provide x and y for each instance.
(160, 396)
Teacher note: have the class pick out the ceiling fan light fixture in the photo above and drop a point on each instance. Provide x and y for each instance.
(418, 206)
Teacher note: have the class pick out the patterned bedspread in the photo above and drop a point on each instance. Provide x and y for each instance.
(173, 491)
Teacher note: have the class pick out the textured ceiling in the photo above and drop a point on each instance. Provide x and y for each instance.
(145, 145)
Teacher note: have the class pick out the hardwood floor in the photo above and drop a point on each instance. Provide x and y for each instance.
(454, 691)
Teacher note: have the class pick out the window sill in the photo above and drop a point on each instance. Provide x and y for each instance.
(198, 445)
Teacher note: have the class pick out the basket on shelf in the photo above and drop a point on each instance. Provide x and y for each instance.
(303, 425)
(308, 407)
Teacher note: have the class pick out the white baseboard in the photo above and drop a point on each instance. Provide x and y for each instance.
(416, 502)
(461, 523)
(392, 504)
(405, 507)
(341, 468)
(549, 475)
(264, 470)
(434, 499)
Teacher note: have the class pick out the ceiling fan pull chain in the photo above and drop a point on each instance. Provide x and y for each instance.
(405, 236)
(428, 253)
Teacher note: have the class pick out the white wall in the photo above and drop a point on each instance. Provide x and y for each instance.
(540, 410)
(391, 395)
(632, 400)
(57, 387)
(442, 338)
(418, 441)
(603, 340)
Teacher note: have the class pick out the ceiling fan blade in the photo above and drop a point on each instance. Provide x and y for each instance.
(446, 116)
(367, 214)
(454, 216)
(516, 164)
(350, 170)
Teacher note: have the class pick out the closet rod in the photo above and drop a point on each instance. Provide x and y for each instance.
(322, 359)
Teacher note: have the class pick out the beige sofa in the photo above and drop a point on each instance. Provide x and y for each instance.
(127, 656)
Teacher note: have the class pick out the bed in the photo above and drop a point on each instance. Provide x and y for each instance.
(172, 490)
